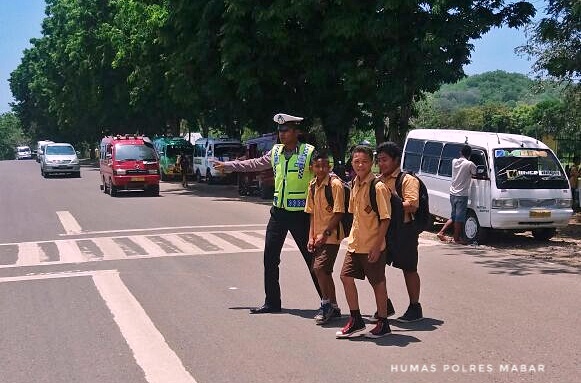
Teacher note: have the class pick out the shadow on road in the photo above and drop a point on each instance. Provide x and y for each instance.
(521, 266)
(397, 340)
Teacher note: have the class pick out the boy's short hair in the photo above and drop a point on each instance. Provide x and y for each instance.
(466, 151)
(390, 148)
(319, 155)
(363, 149)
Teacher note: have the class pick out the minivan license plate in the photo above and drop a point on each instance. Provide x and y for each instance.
(137, 179)
(539, 213)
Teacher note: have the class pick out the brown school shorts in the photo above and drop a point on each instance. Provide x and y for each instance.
(357, 266)
(325, 257)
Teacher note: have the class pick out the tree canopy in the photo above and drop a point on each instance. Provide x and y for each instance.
(144, 65)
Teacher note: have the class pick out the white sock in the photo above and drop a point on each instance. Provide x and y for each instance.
(325, 301)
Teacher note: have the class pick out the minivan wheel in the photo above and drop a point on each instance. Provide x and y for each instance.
(544, 234)
(472, 229)
(198, 176)
(113, 190)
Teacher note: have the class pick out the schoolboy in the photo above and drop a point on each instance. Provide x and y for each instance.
(365, 248)
(325, 233)
(405, 257)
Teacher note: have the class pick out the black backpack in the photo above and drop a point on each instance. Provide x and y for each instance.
(347, 218)
(422, 216)
(397, 213)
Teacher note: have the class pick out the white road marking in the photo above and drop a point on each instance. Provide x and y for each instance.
(69, 252)
(146, 244)
(109, 248)
(29, 254)
(158, 361)
(167, 228)
(69, 223)
(150, 350)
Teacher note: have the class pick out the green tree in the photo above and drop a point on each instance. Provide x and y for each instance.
(11, 136)
(556, 41)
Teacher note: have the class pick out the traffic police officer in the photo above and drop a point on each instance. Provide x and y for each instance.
(290, 162)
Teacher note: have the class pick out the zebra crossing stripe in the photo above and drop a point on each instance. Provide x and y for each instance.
(110, 250)
(150, 247)
(69, 252)
(28, 254)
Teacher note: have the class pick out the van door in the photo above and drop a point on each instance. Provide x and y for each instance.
(480, 201)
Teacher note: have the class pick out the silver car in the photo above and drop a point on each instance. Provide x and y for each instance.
(59, 158)
(23, 153)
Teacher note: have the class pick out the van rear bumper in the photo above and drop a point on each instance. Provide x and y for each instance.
(137, 182)
(522, 219)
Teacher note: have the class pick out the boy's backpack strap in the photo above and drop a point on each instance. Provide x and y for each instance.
(373, 196)
(399, 183)
(329, 192)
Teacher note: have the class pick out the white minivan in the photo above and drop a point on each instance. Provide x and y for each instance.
(208, 150)
(520, 184)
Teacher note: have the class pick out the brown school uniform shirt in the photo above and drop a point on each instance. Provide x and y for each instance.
(322, 213)
(410, 188)
(365, 228)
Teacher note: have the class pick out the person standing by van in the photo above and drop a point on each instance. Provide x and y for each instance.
(405, 257)
(290, 162)
(183, 161)
(462, 171)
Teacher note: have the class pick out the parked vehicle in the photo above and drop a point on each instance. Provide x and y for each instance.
(208, 150)
(520, 184)
(39, 149)
(258, 183)
(128, 163)
(23, 153)
(59, 158)
(168, 149)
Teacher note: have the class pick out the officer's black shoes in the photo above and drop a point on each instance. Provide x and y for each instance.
(265, 309)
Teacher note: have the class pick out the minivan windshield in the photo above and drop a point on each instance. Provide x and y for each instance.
(228, 150)
(124, 152)
(522, 168)
(22, 150)
(60, 150)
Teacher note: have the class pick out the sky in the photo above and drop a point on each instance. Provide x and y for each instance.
(20, 20)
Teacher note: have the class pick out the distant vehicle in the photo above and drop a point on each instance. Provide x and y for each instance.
(40, 147)
(128, 163)
(259, 183)
(60, 158)
(23, 153)
(520, 184)
(208, 150)
(168, 150)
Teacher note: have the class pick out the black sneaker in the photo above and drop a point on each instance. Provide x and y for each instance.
(326, 314)
(380, 330)
(390, 312)
(413, 314)
(352, 328)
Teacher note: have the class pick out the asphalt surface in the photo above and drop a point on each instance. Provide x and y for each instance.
(157, 289)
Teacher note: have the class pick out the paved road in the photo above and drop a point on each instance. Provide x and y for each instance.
(142, 289)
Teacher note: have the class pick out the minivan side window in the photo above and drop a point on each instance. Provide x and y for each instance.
(450, 152)
(431, 157)
(413, 155)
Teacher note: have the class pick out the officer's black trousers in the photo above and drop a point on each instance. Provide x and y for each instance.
(281, 222)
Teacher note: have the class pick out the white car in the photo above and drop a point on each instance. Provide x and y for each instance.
(23, 153)
(59, 158)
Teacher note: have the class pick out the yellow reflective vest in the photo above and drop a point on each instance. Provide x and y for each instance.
(291, 177)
